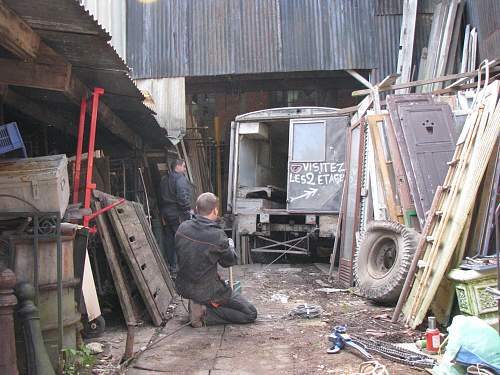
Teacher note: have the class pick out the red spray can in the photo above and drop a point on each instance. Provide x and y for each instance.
(432, 336)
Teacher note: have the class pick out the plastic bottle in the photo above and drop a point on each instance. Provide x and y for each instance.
(432, 336)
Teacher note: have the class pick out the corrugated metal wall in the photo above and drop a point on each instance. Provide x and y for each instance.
(168, 102)
(388, 29)
(170, 38)
(111, 15)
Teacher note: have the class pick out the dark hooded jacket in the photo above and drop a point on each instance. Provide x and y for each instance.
(201, 244)
(175, 195)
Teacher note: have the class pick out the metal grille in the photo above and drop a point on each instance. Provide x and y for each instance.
(363, 202)
(4, 138)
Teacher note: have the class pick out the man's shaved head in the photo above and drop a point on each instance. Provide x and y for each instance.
(206, 203)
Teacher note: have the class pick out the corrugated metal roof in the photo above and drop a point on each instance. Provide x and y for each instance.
(71, 31)
(484, 15)
(111, 14)
(215, 37)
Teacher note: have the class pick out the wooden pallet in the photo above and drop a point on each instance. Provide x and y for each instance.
(458, 194)
(143, 257)
(130, 300)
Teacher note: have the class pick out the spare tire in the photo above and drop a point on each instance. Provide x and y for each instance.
(382, 263)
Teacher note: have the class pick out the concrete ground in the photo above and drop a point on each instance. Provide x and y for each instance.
(276, 344)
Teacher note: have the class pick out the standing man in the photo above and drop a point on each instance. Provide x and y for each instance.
(201, 245)
(176, 206)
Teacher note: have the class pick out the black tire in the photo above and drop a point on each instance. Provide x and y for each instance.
(382, 263)
(95, 328)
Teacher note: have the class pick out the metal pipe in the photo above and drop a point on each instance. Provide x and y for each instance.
(60, 322)
(79, 148)
(89, 186)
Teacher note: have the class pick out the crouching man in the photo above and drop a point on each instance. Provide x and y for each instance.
(201, 245)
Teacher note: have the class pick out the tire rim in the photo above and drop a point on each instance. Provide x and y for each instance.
(382, 257)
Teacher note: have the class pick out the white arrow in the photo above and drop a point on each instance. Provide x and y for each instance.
(307, 194)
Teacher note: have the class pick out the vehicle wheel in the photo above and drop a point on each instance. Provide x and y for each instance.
(95, 328)
(384, 258)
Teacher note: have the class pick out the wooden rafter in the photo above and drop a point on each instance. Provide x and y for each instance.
(16, 36)
(51, 71)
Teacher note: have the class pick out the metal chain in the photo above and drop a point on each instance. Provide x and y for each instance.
(395, 354)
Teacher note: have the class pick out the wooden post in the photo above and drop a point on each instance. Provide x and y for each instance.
(129, 344)
(218, 145)
(8, 362)
(36, 353)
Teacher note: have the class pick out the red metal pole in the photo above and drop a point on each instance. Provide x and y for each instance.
(79, 147)
(106, 209)
(89, 186)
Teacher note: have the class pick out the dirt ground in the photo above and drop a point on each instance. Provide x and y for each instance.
(276, 344)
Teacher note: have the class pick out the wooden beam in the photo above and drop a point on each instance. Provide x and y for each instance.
(406, 39)
(51, 71)
(16, 36)
(359, 78)
(3, 91)
(31, 74)
(420, 82)
(39, 112)
(76, 90)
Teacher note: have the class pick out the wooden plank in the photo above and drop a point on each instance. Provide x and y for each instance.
(130, 308)
(461, 183)
(29, 74)
(442, 304)
(381, 164)
(465, 50)
(358, 77)
(450, 77)
(402, 187)
(433, 43)
(406, 39)
(490, 222)
(148, 274)
(430, 221)
(155, 248)
(444, 50)
(16, 36)
(480, 214)
(362, 108)
(457, 29)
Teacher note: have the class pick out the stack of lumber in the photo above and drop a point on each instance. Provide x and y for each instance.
(442, 49)
(192, 149)
(449, 216)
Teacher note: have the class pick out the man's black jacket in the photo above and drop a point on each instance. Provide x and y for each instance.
(201, 244)
(175, 195)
